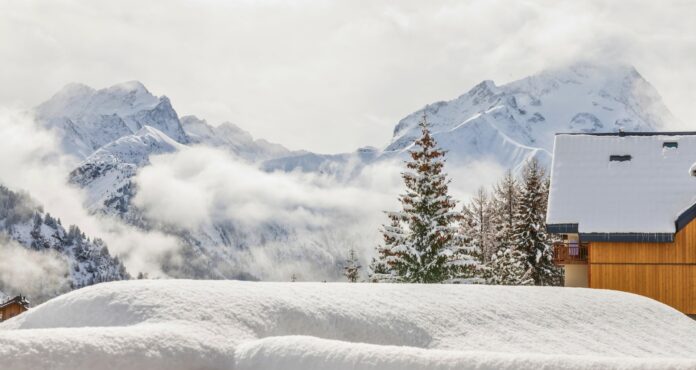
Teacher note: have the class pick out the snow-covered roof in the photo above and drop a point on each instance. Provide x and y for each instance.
(18, 299)
(623, 186)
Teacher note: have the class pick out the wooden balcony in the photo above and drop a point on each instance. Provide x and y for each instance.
(570, 253)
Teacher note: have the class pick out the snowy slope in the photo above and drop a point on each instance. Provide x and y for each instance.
(87, 118)
(107, 173)
(89, 260)
(184, 324)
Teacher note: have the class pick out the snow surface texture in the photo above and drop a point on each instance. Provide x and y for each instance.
(183, 324)
(645, 194)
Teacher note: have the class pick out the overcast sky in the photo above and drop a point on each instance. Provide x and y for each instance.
(331, 76)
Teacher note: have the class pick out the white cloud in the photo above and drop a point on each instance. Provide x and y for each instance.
(197, 187)
(39, 275)
(331, 76)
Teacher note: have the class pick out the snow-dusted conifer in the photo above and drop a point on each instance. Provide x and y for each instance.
(505, 199)
(351, 270)
(477, 227)
(508, 267)
(422, 243)
(530, 237)
(394, 235)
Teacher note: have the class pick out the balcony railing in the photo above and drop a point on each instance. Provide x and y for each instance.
(568, 253)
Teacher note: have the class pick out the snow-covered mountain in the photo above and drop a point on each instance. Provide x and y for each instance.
(87, 118)
(343, 166)
(116, 130)
(511, 123)
(25, 222)
(518, 120)
(229, 136)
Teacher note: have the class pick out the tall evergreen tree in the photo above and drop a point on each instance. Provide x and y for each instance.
(530, 237)
(351, 270)
(477, 225)
(505, 199)
(422, 243)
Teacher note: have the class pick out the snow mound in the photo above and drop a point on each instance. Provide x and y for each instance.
(182, 324)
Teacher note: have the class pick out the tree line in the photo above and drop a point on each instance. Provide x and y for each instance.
(498, 237)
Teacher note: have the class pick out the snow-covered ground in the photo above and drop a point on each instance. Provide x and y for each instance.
(182, 324)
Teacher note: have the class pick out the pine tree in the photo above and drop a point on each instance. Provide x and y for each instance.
(378, 270)
(421, 242)
(351, 270)
(394, 235)
(508, 267)
(530, 237)
(477, 226)
(505, 199)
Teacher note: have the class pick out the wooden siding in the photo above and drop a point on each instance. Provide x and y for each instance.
(662, 271)
(10, 311)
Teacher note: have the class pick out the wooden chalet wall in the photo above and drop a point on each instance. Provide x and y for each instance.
(10, 311)
(662, 271)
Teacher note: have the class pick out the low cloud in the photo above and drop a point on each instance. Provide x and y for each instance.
(198, 187)
(37, 275)
(31, 161)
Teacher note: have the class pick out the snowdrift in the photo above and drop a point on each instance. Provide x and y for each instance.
(183, 324)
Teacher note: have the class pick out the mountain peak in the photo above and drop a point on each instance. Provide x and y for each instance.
(599, 69)
(90, 118)
(607, 76)
(75, 89)
(130, 86)
(485, 86)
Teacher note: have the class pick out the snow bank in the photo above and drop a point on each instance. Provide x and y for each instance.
(182, 324)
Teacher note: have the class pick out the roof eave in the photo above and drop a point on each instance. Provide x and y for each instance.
(572, 228)
(686, 217)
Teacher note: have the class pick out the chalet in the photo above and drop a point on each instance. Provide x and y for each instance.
(625, 205)
(13, 307)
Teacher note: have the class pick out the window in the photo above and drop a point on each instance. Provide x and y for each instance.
(670, 144)
(620, 158)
